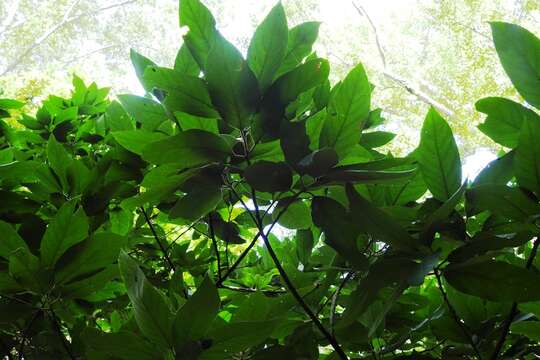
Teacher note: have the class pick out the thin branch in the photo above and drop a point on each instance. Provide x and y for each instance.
(337, 348)
(216, 249)
(388, 74)
(513, 309)
(380, 48)
(335, 297)
(85, 55)
(66, 19)
(252, 243)
(250, 290)
(25, 334)
(165, 253)
(58, 329)
(455, 315)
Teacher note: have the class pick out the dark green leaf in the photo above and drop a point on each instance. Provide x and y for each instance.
(151, 311)
(494, 280)
(502, 200)
(377, 223)
(69, 227)
(268, 46)
(232, 85)
(193, 320)
(269, 176)
(188, 148)
(527, 158)
(136, 140)
(11, 241)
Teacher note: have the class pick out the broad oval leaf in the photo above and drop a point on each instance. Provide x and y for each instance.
(232, 85)
(268, 46)
(150, 309)
(494, 280)
(69, 227)
(519, 51)
(527, 158)
(438, 157)
(504, 119)
(269, 176)
(349, 109)
(188, 148)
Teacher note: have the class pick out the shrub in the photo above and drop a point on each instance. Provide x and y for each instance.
(146, 228)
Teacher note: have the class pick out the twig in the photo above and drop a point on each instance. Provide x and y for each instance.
(25, 333)
(405, 84)
(216, 249)
(513, 309)
(334, 300)
(455, 315)
(252, 243)
(250, 290)
(337, 348)
(167, 258)
(65, 343)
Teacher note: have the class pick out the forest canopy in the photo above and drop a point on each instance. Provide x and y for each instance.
(249, 206)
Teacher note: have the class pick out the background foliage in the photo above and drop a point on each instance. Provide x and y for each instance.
(247, 207)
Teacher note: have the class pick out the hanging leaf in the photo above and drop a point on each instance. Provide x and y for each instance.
(527, 158)
(269, 176)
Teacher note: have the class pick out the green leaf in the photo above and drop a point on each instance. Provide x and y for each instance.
(268, 46)
(136, 140)
(151, 311)
(304, 245)
(8, 104)
(319, 162)
(183, 92)
(494, 280)
(11, 241)
(377, 223)
(527, 158)
(232, 85)
(188, 122)
(438, 157)
(375, 139)
(504, 119)
(269, 176)
(69, 227)
(498, 171)
(144, 110)
(341, 175)
(98, 251)
(519, 51)
(59, 160)
(339, 228)
(202, 33)
(439, 217)
(140, 63)
(487, 241)
(530, 329)
(511, 203)
(185, 63)
(193, 320)
(188, 148)
(349, 109)
(297, 215)
(299, 44)
(198, 202)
